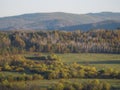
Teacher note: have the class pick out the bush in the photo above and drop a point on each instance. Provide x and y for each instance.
(28, 77)
(20, 78)
(37, 77)
(58, 86)
(6, 67)
(5, 84)
(78, 86)
(10, 78)
(106, 86)
(43, 58)
(92, 85)
(19, 69)
(53, 57)
(97, 85)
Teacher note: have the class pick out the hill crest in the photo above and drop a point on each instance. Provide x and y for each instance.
(55, 20)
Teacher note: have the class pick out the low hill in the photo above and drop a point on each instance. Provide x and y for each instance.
(108, 25)
(54, 21)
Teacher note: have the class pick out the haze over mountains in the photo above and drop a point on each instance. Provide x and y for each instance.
(61, 21)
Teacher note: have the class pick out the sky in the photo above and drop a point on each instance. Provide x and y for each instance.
(17, 7)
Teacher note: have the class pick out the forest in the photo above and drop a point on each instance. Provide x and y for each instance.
(96, 41)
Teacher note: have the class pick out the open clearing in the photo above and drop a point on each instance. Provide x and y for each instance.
(100, 61)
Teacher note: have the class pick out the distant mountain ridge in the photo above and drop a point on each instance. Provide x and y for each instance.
(61, 21)
(108, 25)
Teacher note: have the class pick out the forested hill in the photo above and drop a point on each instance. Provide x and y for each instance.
(109, 25)
(97, 41)
(60, 20)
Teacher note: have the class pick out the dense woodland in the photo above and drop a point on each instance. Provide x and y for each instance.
(96, 41)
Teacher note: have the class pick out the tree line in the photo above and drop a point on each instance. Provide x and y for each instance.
(96, 41)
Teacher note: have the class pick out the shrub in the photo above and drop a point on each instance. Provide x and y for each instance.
(37, 77)
(91, 85)
(28, 77)
(43, 58)
(53, 57)
(19, 69)
(10, 78)
(106, 86)
(20, 78)
(7, 67)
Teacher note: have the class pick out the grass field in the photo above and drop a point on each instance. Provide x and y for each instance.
(99, 61)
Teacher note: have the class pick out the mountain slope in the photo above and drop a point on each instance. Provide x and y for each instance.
(52, 21)
(108, 24)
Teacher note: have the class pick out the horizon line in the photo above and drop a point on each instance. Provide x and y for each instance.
(57, 12)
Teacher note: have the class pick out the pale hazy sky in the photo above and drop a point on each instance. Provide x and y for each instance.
(16, 7)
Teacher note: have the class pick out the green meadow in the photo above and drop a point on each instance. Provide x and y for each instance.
(100, 61)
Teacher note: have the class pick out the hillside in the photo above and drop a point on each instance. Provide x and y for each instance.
(108, 25)
(57, 21)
